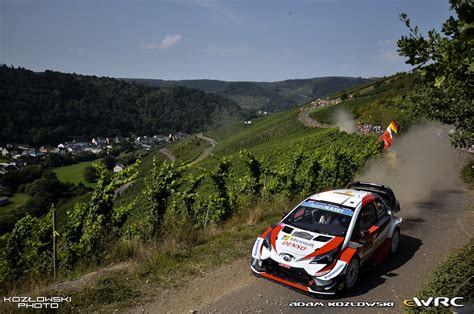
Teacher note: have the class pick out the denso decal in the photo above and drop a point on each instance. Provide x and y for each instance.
(296, 240)
(294, 245)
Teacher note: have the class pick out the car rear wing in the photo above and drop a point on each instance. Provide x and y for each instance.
(382, 190)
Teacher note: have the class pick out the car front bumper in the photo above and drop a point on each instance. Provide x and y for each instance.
(295, 277)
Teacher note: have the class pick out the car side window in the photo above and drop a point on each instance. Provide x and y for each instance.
(366, 217)
(380, 209)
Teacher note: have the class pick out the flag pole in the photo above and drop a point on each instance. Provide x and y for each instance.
(53, 218)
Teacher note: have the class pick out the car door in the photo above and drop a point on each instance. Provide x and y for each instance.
(382, 222)
(363, 232)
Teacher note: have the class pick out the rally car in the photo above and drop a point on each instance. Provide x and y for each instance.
(320, 246)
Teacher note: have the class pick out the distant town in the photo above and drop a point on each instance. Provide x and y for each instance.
(15, 156)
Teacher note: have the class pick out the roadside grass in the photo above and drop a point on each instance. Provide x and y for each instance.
(74, 173)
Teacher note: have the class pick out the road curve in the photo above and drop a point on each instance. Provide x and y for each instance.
(207, 150)
(212, 142)
(304, 118)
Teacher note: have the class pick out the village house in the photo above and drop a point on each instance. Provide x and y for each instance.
(118, 168)
(46, 149)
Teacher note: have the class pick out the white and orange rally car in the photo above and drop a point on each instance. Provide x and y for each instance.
(320, 246)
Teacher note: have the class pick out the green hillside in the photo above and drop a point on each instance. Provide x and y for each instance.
(269, 96)
(51, 107)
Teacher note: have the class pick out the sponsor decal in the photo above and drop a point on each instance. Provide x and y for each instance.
(328, 207)
(345, 193)
(256, 246)
(296, 240)
(434, 301)
(342, 304)
(284, 265)
(294, 245)
(335, 270)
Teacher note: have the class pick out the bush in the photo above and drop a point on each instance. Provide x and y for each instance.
(90, 174)
(109, 161)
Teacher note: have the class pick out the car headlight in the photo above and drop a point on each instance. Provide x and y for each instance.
(327, 258)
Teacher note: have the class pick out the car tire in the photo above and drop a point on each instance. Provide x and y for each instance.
(352, 273)
(395, 242)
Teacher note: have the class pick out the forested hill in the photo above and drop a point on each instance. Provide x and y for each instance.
(49, 107)
(270, 96)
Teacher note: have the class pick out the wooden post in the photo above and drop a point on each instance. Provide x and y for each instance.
(53, 217)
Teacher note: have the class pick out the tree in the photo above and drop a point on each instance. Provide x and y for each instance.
(90, 174)
(445, 62)
(109, 161)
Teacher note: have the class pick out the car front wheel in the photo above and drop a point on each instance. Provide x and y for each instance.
(352, 272)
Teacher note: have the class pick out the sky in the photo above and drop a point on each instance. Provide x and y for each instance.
(234, 40)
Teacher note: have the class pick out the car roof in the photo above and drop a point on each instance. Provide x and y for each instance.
(345, 197)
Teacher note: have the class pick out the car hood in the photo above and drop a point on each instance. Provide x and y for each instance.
(300, 243)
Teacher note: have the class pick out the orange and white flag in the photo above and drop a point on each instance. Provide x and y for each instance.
(387, 136)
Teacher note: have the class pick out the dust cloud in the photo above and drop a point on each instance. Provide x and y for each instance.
(418, 164)
(345, 121)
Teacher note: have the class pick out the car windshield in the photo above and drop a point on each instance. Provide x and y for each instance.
(321, 217)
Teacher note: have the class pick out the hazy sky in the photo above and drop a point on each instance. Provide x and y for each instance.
(230, 40)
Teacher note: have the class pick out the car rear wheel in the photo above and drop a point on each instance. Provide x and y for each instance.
(395, 241)
(352, 272)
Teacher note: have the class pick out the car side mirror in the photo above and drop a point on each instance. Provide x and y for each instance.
(360, 236)
(273, 225)
(396, 207)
